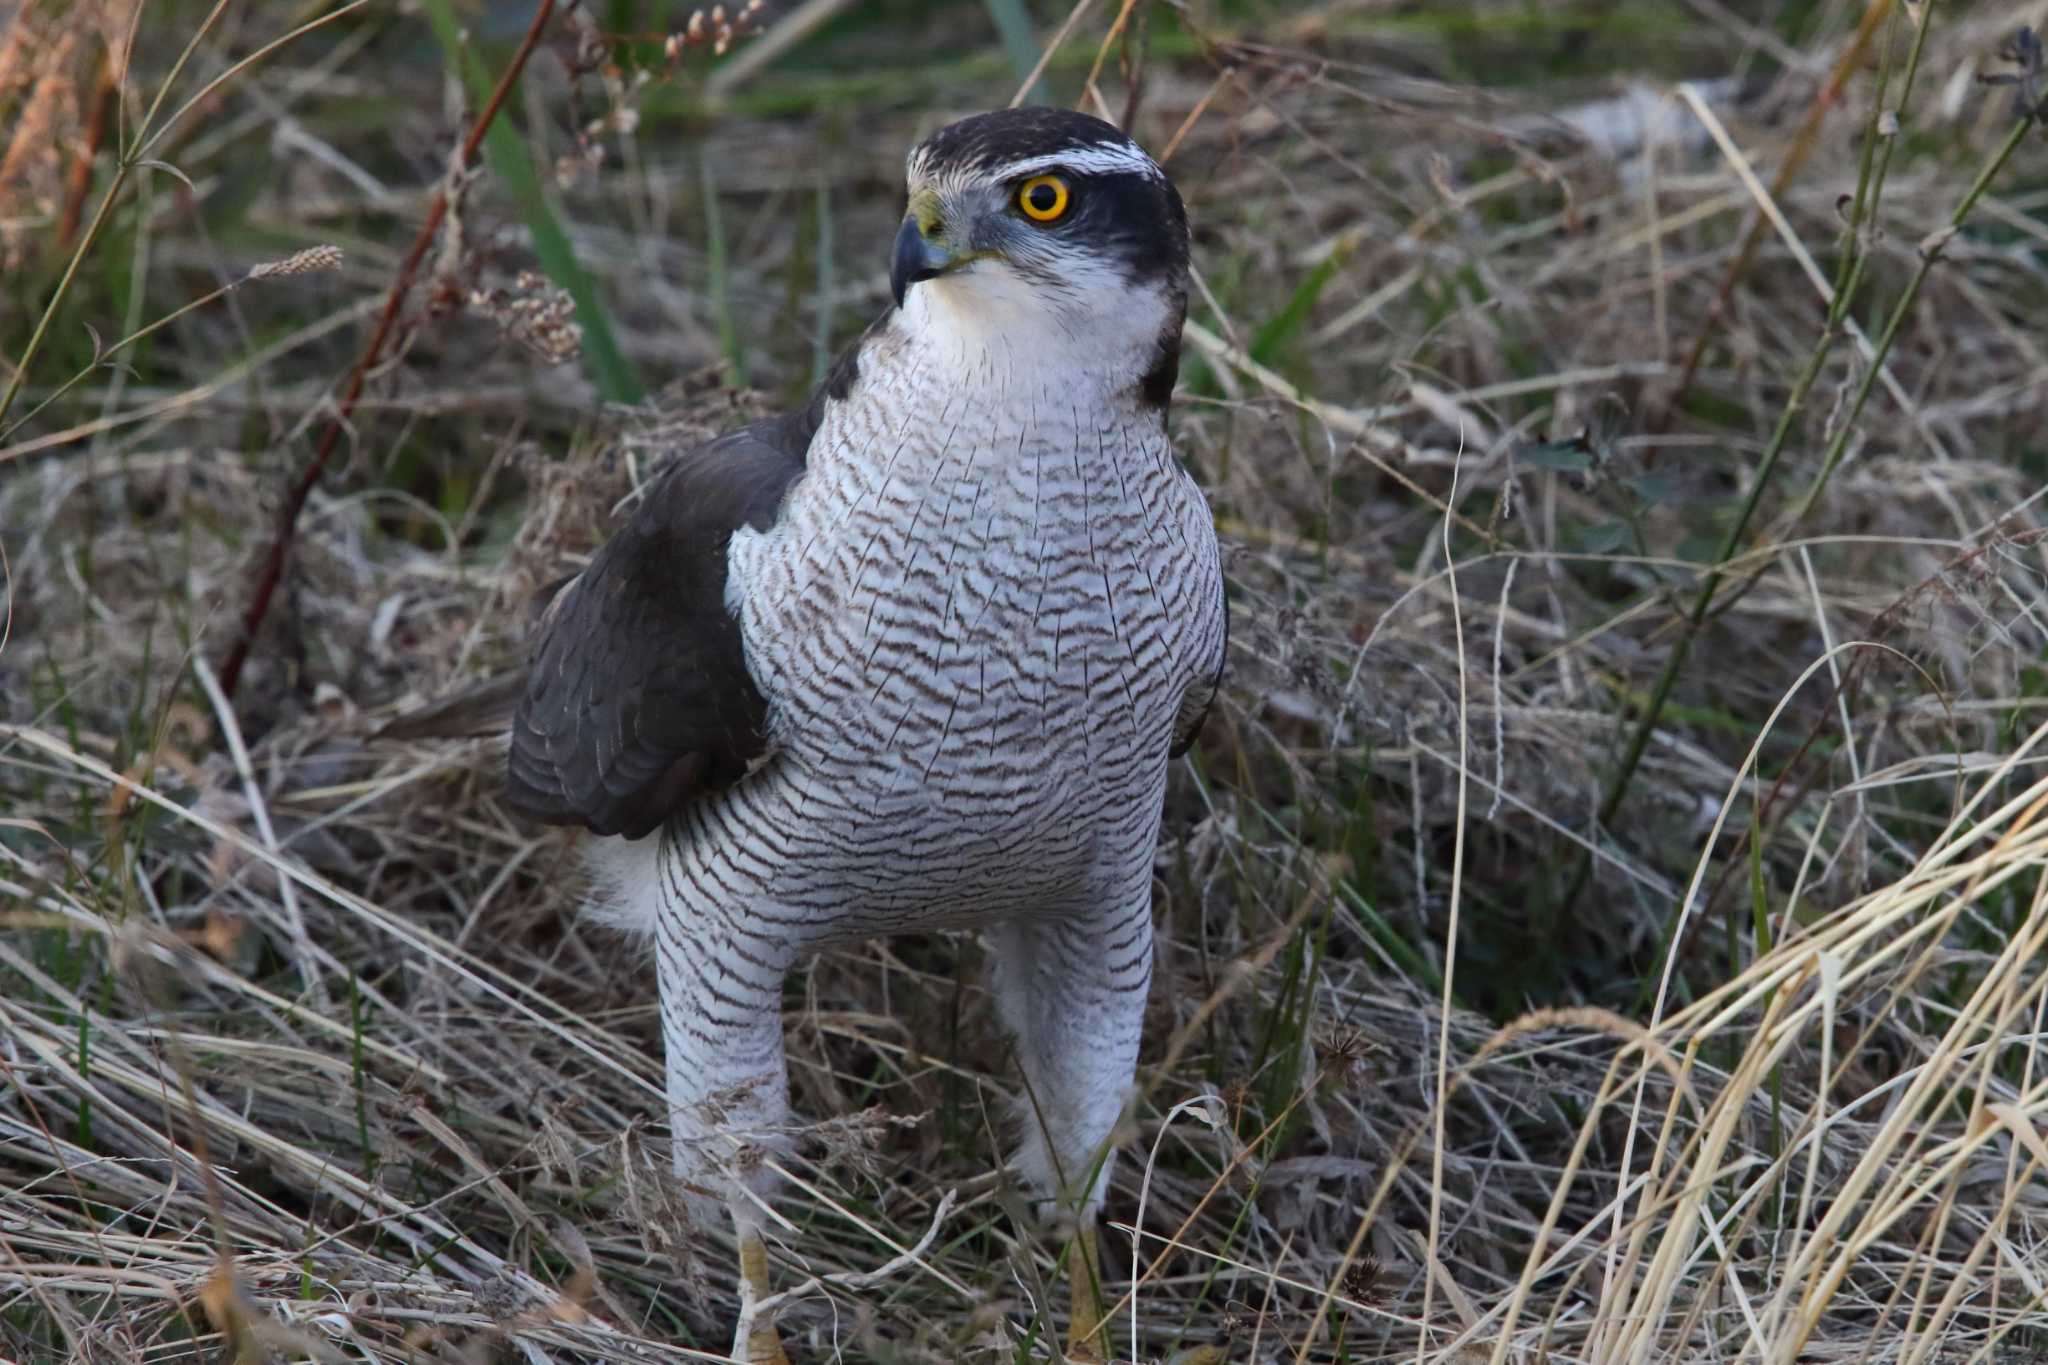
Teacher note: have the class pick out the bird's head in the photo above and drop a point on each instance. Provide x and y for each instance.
(1045, 228)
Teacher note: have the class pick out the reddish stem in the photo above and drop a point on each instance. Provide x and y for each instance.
(80, 181)
(302, 488)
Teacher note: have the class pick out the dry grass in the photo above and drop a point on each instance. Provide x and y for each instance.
(303, 1051)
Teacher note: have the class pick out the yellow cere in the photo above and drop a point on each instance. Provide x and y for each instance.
(1043, 198)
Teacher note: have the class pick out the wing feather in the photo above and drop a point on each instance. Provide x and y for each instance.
(637, 695)
(1213, 628)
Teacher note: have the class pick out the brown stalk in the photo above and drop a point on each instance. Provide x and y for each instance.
(302, 488)
(80, 179)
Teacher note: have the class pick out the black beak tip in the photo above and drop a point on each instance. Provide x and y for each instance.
(911, 261)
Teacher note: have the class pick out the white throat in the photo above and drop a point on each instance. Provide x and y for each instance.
(989, 324)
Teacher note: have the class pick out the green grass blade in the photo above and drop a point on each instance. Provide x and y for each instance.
(1286, 324)
(1013, 27)
(730, 339)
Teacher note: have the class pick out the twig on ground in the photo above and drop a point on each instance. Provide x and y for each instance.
(863, 1279)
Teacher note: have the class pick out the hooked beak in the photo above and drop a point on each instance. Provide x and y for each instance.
(917, 258)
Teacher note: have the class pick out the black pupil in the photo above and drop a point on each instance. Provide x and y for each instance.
(1043, 197)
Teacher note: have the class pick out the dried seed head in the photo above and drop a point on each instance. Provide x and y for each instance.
(535, 316)
(854, 1141)
(298, 263)
(1361, 1282)
(1345, 1056)
(1238, 1318)
(717, 28)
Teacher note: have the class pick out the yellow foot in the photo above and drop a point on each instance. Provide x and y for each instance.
(756, 1341)
(1084, 1352)
(1087, 1333)
(764, 1348)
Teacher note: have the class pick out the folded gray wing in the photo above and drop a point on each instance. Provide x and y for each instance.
(1200, 698)
(1209, 631)
(637, 696)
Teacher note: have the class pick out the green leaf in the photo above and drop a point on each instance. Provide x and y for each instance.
(1606, 538)
(730, 339)
(1567, 457)
(1657, 488)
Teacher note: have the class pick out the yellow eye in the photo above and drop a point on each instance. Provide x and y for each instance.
(1043, 198)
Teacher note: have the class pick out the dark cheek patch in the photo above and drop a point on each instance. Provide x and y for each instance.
(1136, 220)
(1155, 387)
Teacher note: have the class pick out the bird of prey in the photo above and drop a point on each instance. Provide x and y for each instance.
(913, 656)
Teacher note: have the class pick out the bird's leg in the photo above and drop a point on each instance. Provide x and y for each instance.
(1072, 990)
(728, 1083)
(754, 1340)
(1087, 1333)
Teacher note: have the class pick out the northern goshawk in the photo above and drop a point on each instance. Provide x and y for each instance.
(914, 656)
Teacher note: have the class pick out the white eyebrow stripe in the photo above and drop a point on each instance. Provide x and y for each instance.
(1105, 159)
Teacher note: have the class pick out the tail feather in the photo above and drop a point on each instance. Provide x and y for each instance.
(485, 709)
(482, 710)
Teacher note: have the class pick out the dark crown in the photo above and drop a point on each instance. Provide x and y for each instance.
(1004, 135)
